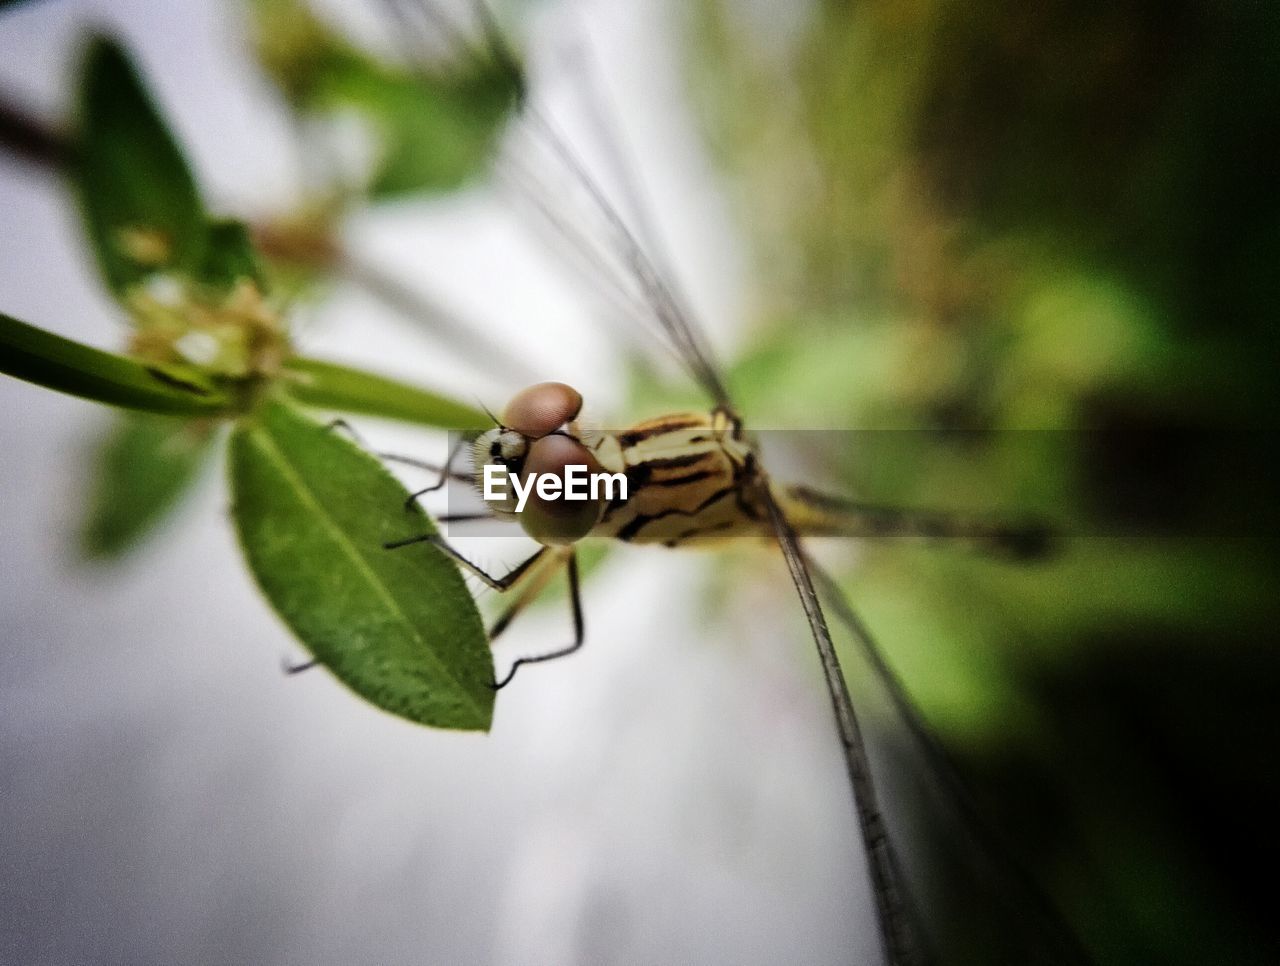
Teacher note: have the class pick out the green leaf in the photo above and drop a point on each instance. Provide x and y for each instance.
(57, 363)
(140, 203)
(438, 132)
(145, 466)
(330, 386)
(398, 627)
(229, 256)
(438, 126)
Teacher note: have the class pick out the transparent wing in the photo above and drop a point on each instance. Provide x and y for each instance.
(599, 237)
(1044, 930)
(886, 876)
(540, 164)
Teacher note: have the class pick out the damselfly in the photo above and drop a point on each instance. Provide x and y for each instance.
(694, 477)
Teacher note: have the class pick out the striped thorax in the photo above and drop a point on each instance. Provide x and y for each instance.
(692, 478)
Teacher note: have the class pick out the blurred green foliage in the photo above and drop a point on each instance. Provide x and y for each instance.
(436, 123)
(211, 343)
(147, 462)
(1038, 242)
(142, 210)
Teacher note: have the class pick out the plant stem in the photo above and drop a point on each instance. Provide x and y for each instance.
(49, 360)
(31, 140)
(328, 385)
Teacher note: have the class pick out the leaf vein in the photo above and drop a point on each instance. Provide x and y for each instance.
(273, 453)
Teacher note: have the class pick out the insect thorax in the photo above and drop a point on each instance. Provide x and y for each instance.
(691, 477)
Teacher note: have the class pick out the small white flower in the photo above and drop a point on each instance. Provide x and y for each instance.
(165, 289)
(199, 348)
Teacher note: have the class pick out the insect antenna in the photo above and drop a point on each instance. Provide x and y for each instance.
(489, 412)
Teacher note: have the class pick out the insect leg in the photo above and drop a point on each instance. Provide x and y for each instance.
(423, 465)
(446, 473)
(534, 585)
(341, 424)
(497, 583)
(579, 628)
(464, 517)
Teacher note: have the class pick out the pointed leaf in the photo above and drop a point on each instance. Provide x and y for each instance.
(438, 133)
(141, 207)
(229, 256)
(398, 627)
(145, 466)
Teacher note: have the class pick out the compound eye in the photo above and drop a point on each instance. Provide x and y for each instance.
(542, 409)
(558, 519)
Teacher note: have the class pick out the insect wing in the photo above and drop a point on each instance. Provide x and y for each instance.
(539, 163)
(896, 932)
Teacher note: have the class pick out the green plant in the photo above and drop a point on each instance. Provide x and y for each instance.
(210, 347)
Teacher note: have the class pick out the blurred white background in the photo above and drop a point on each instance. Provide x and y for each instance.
(671, 794)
